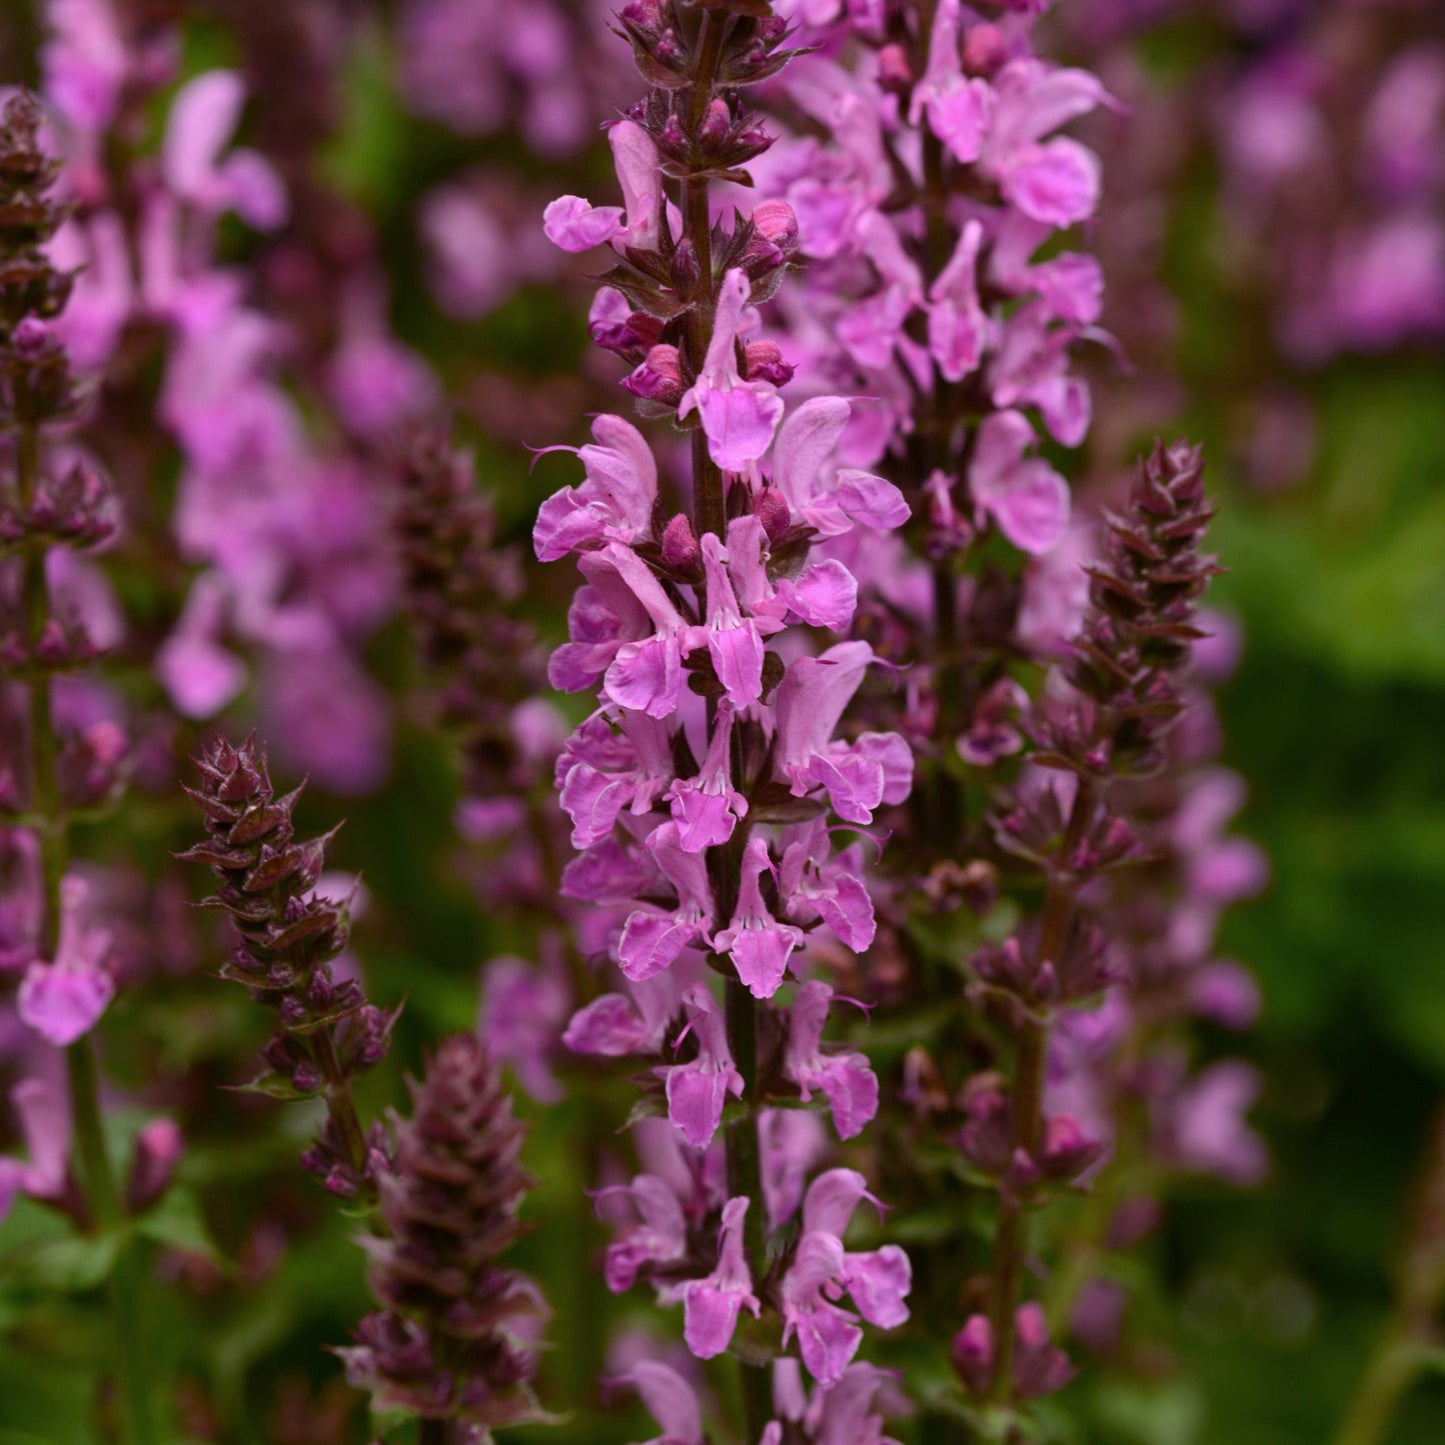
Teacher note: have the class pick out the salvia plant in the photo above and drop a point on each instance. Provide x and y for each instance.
(826, 775)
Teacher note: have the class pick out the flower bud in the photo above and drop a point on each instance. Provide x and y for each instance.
(659, 378)
(771, 508)
(716, 123)
(158, 1149)
(679, 546)
(894, 70)
(973, 1354)
(984, 50)
(764, 362)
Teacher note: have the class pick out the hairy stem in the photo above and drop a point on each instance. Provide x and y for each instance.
(1027, 1094)
(339, 1102)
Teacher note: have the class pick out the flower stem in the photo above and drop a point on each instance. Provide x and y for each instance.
(1027, 1094)
(1393, 1368)
(339, 1102)
(707, 479)
(744, 1175)
(91, 1157)
(126, 1286)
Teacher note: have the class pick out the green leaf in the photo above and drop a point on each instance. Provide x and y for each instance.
(73, 1265)
(178, 1222)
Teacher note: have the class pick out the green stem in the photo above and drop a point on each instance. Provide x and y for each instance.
(1392, 1370)
(126, 1285)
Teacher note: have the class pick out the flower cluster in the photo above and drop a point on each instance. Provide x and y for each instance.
(1104, 719)
(54, 502)
(700, 790)
(461, 588)
(440, 1347)
(935, 197)
(281, 519)
(288, 936)
(937, 180)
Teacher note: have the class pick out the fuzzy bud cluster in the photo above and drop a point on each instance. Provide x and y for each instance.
(459, 584)
(42, 503)
(441, 1346)
(289, 935)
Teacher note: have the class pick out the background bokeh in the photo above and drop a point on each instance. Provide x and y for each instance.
(1327, 453)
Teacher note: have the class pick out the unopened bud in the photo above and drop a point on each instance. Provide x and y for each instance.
(777, 221)
(894, 70)
(772, 509)
(764, 362)
(659, 378)
(717, 121)
(153, 1165)
(984, 50)
(679, 546)
(973, 1354)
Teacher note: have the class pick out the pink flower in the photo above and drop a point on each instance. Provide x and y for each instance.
(573, 224)
(646, 674)
(697, 1091)
(604, 769)
(1032, 367)
(63, 1000)
(523, 1009)
(877, 1281)
(813, 885)
(735, 643)
(757, 943)
(857, 777)
(198, 674)
(203, 118)
(614, 502)
(828, 1336)
(652, 939)
(1056, 182)
(958, 109)
(1024, 495)
(958, 329)
(844, 1076)
(659, 1237)
(706, 807)
(616, 1024)
(801, 469)
(670, 1400)
(44, 1117)
(711, 1305)
(739, 417)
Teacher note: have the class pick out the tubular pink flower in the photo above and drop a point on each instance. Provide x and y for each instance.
(845, 1078)
(64, 999)
(739, 417)
(758, 944)
(706, 808)
(697, 1091)
(712, 1304)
